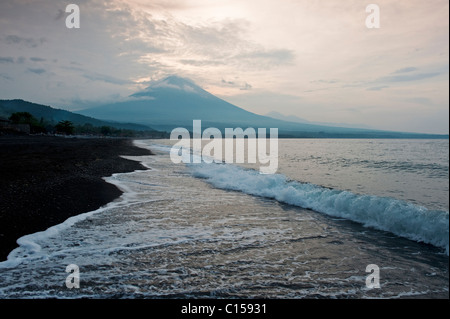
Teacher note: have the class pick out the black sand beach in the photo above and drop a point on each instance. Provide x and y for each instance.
(45, 180)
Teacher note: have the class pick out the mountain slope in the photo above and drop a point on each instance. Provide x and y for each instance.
(7, 107)
(173, 102)
(176, 102)
(296, 119)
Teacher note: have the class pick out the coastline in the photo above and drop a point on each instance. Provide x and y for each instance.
(260, 247)
(46, 179)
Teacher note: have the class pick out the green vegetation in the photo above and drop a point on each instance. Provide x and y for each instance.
(26, 118)
(104, 130)
(82, 125)
(67, 127)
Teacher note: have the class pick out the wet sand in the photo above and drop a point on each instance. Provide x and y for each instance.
(44, 180)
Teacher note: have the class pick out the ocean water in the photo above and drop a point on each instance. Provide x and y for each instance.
(226, 231)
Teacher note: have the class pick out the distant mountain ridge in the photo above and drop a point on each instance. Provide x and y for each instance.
(296, 119)
(175, 102)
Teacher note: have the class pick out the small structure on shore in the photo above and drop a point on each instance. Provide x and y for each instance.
(6, 126)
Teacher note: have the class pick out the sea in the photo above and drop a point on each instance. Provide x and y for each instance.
(340, 218)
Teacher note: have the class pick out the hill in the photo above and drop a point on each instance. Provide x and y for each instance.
(53, 116)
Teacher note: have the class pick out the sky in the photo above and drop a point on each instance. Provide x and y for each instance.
(315, 59)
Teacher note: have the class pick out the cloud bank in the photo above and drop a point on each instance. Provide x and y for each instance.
(319, 52)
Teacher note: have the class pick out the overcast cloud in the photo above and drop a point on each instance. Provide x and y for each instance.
(313, 59)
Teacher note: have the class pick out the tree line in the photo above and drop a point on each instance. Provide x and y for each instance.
(67, 127)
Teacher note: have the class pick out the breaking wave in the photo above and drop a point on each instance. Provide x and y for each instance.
(383, 213)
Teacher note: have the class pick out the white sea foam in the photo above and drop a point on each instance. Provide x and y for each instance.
(172, 235)
(28, 244)
(29, 247)
(398, 217)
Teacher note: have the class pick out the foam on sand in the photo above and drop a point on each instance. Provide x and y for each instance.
(29, 247)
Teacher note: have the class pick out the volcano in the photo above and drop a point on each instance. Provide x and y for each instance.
(175, 102)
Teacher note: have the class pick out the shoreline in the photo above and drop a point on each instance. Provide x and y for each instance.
(44, 180)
